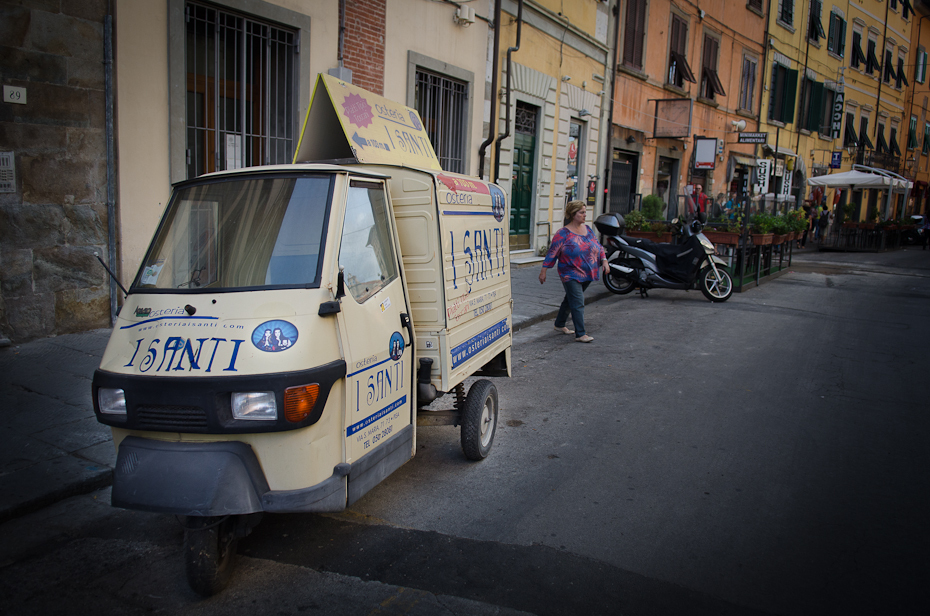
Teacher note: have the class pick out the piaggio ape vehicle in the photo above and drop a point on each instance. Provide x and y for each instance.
(288, 322)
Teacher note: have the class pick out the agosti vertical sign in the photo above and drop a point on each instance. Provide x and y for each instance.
(345, 122)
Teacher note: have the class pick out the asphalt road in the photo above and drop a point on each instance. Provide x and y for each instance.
(768, 455)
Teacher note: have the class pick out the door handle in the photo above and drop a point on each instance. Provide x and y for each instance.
(405, 322)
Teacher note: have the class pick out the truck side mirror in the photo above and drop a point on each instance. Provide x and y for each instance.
(340, 284)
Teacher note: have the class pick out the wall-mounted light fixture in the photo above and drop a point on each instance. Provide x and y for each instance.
(583, 113)
(566, 77)
(631, 140)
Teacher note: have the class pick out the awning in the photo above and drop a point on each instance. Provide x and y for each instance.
(743, 160)
(781, 150)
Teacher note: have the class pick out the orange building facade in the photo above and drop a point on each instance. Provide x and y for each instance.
(685, 76)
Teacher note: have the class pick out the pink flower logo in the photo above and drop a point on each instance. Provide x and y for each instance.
(357, 110)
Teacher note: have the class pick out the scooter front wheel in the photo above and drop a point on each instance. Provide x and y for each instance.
(714, 288)
(209, 553)
(617, 283)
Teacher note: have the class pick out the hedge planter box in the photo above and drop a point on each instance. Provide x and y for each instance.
(762, 239)
(779, 239)
(722, 237)
(651, 235)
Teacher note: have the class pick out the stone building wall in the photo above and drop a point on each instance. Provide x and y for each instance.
(50, 227)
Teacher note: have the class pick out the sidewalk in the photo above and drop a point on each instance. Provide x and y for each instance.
(51, 446)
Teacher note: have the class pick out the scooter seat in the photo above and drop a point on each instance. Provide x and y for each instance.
(660, 250)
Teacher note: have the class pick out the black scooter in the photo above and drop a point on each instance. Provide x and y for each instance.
(641, 263)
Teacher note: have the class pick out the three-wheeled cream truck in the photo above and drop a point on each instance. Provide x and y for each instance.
(288, 324)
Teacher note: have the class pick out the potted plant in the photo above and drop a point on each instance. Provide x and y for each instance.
(780, 230)
(660, 230)
(726, 233)
(797, 222)
(760, 228)
(652, 207)
(634, 220)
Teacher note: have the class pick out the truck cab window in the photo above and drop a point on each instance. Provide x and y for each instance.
(367, 253)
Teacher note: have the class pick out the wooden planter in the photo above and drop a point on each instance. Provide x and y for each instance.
(792, 236)
(722, 237)
(779, 239)
(762, 239)
(651, 235)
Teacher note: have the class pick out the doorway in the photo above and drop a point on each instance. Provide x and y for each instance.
(524, 156)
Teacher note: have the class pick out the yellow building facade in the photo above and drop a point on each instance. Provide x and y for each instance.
(836, 85)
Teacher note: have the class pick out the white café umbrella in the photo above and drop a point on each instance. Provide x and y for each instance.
(871, 178)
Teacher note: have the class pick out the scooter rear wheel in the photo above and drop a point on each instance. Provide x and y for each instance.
(618, 284)
(209, 552)
(716, 289)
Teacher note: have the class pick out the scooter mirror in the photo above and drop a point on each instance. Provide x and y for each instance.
(702, 217)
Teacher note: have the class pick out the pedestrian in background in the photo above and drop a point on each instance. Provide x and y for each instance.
(926, 236)
(802, 241)
(580, 258)
(822, 223)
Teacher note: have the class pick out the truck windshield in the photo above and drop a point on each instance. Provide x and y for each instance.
(240, 233)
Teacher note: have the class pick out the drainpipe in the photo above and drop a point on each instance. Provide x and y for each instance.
(878, 99)
(506, 133)
(495, 106)
(610, 113)
(111, 160)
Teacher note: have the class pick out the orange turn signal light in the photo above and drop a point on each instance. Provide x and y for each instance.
(299, 402)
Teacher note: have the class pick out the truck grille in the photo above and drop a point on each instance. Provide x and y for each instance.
(180, 418)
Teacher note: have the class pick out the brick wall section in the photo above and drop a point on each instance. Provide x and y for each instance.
(364, 43)
(50, 282)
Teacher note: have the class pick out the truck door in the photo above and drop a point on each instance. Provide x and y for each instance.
(377, 346)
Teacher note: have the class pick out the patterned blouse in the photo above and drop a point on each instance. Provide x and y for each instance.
(579, 256)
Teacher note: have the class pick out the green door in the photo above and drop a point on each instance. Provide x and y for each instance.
(522, 199)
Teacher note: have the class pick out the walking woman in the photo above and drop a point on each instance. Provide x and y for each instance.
(580, 257)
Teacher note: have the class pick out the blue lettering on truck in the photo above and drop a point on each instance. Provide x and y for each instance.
(478, 343)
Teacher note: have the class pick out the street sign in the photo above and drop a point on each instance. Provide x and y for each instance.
(836, 159)
(753, 138)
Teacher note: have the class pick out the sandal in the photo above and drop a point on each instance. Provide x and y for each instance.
(564, 330)
(585, 338)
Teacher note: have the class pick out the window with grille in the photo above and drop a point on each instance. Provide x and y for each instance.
(241, 103)
(442, 103)
(525, 118)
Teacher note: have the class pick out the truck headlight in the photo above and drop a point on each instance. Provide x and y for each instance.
(111, 401)
(254, 406)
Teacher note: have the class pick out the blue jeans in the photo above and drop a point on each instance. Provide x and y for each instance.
(574, 303)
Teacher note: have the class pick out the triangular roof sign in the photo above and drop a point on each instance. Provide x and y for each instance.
(346, 123)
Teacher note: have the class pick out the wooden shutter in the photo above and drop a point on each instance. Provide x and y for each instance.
(791, 95)
(634, 33)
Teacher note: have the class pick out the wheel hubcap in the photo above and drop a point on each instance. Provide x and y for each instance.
(487, 417)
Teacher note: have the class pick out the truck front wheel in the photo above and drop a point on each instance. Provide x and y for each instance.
(209, 552)
(479, 420)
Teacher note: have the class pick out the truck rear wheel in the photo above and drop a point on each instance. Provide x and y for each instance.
(479, 420)
(209, 553)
